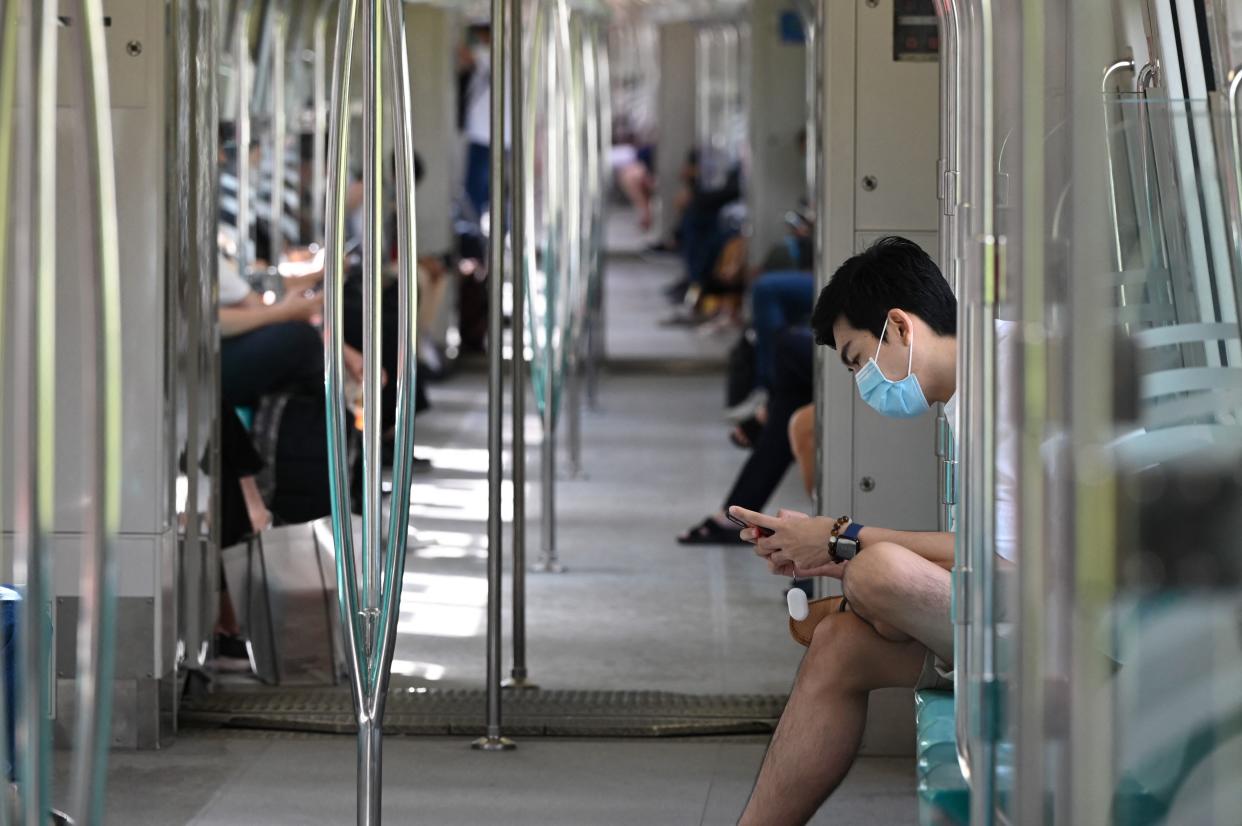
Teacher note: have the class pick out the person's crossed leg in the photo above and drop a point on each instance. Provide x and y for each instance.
(898, 612)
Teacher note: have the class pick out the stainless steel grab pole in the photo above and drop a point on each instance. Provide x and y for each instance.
(35, 361)
(1235, 139)
(1119, 66)
(554, 332)
(334, 391)
(574, 221)
(243, 74)
(14, 191)
(596, 340)
(816, 36)
(319, 107)
(518, 216)
(278, 132)
(102, 413)
(372, 324)
(493, 740)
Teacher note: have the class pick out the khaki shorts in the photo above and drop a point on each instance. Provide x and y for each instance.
(936, 674)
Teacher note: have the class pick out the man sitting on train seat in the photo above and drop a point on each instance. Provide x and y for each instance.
(892, 318)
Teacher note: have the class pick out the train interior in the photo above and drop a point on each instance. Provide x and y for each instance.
(380, 380)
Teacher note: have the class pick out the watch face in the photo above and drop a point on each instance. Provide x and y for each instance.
(846, 548)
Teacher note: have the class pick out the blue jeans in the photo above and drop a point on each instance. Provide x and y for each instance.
(778, 300)
(478, 176)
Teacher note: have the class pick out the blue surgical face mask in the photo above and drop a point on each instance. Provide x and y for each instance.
(902, 399)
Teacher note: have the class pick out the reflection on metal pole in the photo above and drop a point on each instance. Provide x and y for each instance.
(279, 44)
(35, 362)
(603, 114)
(555, 331)
(493, 739)
(1235, 170)
(319, 105)
(519, 241)
(103, 416)
(1120, 66)
(813, 21)
(242, 74)
(370, 628)
(14, 246)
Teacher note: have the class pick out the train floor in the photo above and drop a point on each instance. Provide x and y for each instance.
(633, 611)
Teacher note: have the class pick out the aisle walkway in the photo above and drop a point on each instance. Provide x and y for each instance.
(635, 610)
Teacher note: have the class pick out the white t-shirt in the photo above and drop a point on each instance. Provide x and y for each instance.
(233, 288)
(1005, 533)
(479, 101)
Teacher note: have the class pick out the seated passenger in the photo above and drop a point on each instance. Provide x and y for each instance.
(892, 317)
(771, 456)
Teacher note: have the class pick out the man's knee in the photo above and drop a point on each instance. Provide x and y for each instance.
(802, 430)
(869, 577)
(835, 657)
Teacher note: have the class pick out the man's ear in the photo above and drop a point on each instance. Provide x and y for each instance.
(901, 324)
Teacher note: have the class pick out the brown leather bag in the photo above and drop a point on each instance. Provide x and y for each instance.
(801, 630)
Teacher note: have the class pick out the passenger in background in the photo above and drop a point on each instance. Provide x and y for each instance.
(633, 168)
(474, 64)
(771, 455)
(889, 313)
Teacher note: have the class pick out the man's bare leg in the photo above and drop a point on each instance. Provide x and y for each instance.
(902, 594)
(821, 728)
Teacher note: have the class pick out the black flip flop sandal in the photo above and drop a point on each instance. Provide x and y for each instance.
(708, 532)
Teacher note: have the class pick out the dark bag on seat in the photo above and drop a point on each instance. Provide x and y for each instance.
(290, 433)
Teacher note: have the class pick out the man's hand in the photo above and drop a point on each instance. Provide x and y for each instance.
(302, 283)
(297, 306)
(798, 545)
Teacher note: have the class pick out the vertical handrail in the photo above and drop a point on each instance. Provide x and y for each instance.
(243, 74)
(372, 324)
(976, 364)
(319, 117)
(12, 146)
(518, 216)
(35, 360)
(368, 609)
(407, 362)
(817, 34)
(955, 178)
(596, 340)
(555, 332)
(102, 412)
(580, 135)
(1119, 66)
(278, 132)
(493, 740)
(334, 390)
(1235, 138)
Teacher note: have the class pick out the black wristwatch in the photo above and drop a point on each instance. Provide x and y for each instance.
(846, 546)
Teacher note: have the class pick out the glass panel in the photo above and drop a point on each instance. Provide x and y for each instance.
(1123, 268)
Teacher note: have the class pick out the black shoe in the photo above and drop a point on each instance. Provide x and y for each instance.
(711, 532)
(231, 647)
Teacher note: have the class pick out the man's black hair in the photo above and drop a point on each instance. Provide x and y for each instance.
(893, 273)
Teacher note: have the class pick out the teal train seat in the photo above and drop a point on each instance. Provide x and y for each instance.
(944, 797)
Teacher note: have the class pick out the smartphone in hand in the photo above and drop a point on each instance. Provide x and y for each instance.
(741, 524)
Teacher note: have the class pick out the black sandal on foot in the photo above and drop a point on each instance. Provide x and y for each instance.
(709, 532)
(746, 434)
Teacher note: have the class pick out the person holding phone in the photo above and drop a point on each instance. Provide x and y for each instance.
(891, 317)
